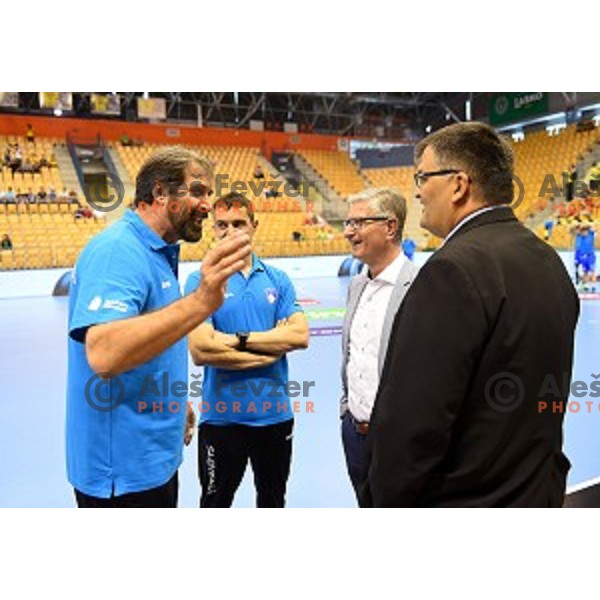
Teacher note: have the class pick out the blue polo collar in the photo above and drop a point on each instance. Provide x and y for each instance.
(257, 264)
(147, 235)
(153, 240)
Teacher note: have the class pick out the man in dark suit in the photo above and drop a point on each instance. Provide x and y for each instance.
(457, 420)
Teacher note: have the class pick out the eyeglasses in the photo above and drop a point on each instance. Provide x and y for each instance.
(421, 178)
(358, 223)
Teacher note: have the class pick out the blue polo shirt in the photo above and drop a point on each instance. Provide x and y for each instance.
(585, 244)
(115, 445)
(254, 303)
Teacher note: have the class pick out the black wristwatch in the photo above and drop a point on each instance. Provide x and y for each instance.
(242, 336)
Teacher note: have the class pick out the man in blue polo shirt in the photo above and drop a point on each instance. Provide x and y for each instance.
(585, 256)
(247, 413)
(127, 328)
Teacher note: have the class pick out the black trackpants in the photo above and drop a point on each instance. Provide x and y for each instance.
(223, 454)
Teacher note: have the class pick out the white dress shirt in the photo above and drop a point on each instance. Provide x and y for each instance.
(365, 340)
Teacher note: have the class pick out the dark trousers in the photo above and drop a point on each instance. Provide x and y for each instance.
(224, 451)
(164, 496)
(355, 449)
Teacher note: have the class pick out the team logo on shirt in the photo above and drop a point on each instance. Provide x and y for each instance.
(95, 304)
(271, 294)
(115, 305)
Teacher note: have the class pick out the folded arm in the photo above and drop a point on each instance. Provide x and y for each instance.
(291, 334)
(216, 349)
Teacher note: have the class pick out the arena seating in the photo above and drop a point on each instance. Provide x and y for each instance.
(539, 155)
(278, 217)
(43, 234)
(274, 237)
(48, 235)
(47, 177)
(232, 164)
(565, 217)
(336, 168)
(397, 177)
(563, 237)
(46, 240)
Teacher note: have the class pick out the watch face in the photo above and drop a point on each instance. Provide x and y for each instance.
(243, 338)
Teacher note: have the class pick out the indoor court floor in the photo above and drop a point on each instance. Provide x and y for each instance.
(33, 359)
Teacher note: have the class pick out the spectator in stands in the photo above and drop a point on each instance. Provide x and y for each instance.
(42, 163)
(246, 343)
(125, 141)
(311, 218)
(31, 197)
(374, 229)
(271, 192)
(548, 226)
(35, 163)
(258, 172)
(64, 195)
(30, 135)
(16, 158)
(6, 157)
(21, 196)
(52, 196)
(9, 196)
(128, 322)
(297, 236)
(42, 196)
(83, 212)
(561, 211)
(99, 215)
(26, 166)
(6, 243)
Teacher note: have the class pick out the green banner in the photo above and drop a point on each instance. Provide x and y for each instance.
(515, 106)
(325, 314)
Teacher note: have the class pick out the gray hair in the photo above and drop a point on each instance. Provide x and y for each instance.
(384, 201)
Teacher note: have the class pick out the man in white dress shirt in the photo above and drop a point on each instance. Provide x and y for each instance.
(374, 229)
